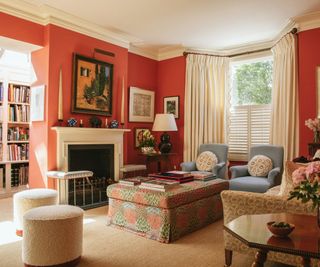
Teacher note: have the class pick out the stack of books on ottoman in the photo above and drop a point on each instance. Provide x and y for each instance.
(179, 176)
(203, 176)
(159, 185)
(134, 181)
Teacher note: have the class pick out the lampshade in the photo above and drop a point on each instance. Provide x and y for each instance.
(164, 123)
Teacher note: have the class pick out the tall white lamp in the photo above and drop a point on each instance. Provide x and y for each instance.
(164, 123)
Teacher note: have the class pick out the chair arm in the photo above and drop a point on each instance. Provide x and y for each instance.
(237, 203)
(188, 166)
(239, 171)
(272, 176)
(218, 166)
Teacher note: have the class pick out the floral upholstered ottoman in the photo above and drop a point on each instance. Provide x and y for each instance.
(165, 216)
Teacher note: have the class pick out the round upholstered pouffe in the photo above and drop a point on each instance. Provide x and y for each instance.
(260, 166)
(52, 236)
(28, 199)
(206, 161)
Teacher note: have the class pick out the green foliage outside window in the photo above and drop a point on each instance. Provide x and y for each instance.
(253, 83)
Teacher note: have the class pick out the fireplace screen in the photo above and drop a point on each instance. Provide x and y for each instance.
(90, 192)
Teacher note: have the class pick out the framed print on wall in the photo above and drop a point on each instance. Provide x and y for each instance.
(141, 105)
(92, 86)
(138, 136)
(171, 105)
(37, 103)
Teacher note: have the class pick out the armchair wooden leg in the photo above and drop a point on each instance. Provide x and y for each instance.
(228, 257)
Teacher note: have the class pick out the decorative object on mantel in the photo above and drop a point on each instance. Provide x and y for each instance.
(122, 105)
(306, 181)
(92, 88)
(147, 141)
(314, 125)
(114, 124)
(164, 123)
(95, 122)
(72, 122)
(60, 100)
(81, 123)
(106, 123)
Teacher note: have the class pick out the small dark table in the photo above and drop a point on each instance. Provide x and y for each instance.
(158, 157)
(303, 241)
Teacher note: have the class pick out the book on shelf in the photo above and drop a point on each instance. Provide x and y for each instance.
(160, 184)
(18, 134)
(19, 175)
(18, 113)
(2, 182)
(133, 181)
(18, 152)
(18, 93)
(1, 91)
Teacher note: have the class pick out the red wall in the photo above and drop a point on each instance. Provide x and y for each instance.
(142, 73)
(171, 82)
(309, 59)
(63, 43)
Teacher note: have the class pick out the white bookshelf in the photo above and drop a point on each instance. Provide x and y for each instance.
(10, 181)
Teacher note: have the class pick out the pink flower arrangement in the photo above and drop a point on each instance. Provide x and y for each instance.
(313, 125)
(306, 181)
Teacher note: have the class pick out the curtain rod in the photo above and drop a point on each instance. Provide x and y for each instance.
(293, 31)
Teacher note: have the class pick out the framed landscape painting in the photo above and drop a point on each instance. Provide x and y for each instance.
(92, 86)
(141, 105)
(171, 106)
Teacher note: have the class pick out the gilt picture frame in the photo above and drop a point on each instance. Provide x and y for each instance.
(171, 105)
(141, 105)
(138, 136)
(92, 86)
(318, 90)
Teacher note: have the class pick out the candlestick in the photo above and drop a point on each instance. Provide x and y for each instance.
(60, 104)
(106, 123)
(122, 103)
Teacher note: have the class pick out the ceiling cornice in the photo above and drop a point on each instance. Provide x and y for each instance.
(308, 21)
(44, 15)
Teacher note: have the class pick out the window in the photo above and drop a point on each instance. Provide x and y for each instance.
(249, 114)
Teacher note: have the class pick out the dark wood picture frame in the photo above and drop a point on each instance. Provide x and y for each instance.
(171, 104)
(137, 131)
(92, 86)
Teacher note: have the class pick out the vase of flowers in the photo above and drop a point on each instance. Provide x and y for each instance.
(306, 180)
(147, 142)
(314, 125)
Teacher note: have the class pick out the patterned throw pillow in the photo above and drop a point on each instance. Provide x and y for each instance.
(206, 161)
(260, 166)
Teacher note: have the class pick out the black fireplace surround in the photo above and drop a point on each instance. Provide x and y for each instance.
(91, 192)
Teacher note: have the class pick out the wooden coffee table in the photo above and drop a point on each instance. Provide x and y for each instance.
(252, 230)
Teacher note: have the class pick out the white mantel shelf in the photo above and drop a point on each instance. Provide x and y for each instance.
(87, 129)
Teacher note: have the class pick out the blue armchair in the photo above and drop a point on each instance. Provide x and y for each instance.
(220, 150)
(241, 180)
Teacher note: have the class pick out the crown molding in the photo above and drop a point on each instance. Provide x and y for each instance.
(44, 15)
(308, 21)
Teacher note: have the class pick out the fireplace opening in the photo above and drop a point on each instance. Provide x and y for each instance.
(90, 192)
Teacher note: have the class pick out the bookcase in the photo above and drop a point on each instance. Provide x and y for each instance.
(14, 137)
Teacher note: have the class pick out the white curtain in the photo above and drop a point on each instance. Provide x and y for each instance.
(206, 80)
(285, 116)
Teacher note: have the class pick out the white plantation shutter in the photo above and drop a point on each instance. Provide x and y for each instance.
(248, 125)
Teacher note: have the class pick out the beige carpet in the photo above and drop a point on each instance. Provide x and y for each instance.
(110, 247)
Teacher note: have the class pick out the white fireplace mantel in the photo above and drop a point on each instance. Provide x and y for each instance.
(76, 136)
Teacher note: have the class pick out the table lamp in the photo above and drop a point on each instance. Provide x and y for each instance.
(164, 123)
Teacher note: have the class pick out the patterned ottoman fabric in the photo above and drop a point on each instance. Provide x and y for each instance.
(182, 194)
(165, 216)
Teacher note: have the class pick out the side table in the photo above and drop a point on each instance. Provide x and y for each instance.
(157, 157)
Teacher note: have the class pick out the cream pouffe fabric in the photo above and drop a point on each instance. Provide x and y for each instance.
(260, 166)
(52, 236)
(206, 161)
(28, 199)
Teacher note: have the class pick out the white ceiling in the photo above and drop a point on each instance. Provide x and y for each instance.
(214, 25)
